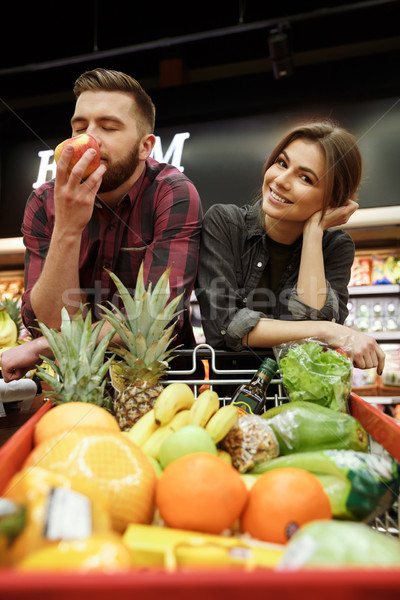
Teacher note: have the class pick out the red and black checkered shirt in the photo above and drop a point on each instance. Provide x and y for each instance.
(158, 222)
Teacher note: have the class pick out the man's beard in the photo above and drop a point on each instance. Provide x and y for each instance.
(119, 172)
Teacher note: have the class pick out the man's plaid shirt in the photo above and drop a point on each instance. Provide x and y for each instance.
(158, 222)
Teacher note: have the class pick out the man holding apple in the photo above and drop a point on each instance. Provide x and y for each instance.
(128, 209)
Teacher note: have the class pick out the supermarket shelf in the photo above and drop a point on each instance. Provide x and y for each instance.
(374, 290)
(386, 336)
(379, 216)
(12, 251)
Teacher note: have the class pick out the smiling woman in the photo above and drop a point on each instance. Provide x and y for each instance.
(278, 269)
(292, 191)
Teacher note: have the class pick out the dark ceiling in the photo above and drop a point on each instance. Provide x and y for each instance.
(199, 48)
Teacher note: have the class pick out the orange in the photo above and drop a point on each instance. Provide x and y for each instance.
(66, 416)
(281, 501)
(200, 492)
(114, 463)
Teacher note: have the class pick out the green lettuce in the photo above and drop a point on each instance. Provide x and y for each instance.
(314, 373)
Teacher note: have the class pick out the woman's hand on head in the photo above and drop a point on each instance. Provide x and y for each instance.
(336, 216)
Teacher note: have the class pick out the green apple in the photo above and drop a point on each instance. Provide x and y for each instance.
(186, 440)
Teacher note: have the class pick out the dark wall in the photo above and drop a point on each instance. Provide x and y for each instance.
(233, 124)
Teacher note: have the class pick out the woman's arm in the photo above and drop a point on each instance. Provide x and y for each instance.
(367, 353)
(314, 270)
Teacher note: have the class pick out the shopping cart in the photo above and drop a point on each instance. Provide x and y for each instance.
(223, 371)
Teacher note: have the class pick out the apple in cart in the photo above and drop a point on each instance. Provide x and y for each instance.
(186, 440)
(80, 144)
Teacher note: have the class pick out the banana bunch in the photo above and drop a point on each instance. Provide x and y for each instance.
(170, 413)
(176, 407)
(8, 329)
(173, 398)
(222, 422)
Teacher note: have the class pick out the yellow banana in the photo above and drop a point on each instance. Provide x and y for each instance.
(222, 422)
(153, 444)
(173, 398)
(8, 329)
(181, 419)
(143, 428)
(204, 407)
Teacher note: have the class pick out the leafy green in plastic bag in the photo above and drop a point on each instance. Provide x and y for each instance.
(314, 373)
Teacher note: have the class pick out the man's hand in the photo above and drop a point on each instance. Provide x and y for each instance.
(17, 361)
(73, 198)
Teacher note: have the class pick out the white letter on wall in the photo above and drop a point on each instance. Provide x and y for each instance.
(45, 167)
(173, 155)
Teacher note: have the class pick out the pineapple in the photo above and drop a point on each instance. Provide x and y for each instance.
(79, 362)
(146, 330)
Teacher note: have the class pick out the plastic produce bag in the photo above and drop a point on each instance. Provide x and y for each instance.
(314, 372)
(302, 426)
(336, 544)
(249, 442)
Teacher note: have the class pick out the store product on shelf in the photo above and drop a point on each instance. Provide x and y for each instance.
(376, 269)
(374, 313)
(385, 270)
(391, 373)
(360, 272)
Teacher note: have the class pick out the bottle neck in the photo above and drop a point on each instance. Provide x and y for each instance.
(260, 378)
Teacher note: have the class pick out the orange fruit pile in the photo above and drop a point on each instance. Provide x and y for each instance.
(281, 501)
(200, 492)
(111, 461)
(64, 417)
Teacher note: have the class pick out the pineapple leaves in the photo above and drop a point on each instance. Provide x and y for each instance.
(157, 348)
(145, 326)
(133, 306)
(163, 319)
(79, 361)
(146, 317)
(118, 323)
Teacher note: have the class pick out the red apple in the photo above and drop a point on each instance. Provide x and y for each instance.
(80, 144)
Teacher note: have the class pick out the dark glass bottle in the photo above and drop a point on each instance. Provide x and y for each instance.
(250, 398)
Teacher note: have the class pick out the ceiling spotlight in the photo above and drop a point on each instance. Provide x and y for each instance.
(279, 51)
